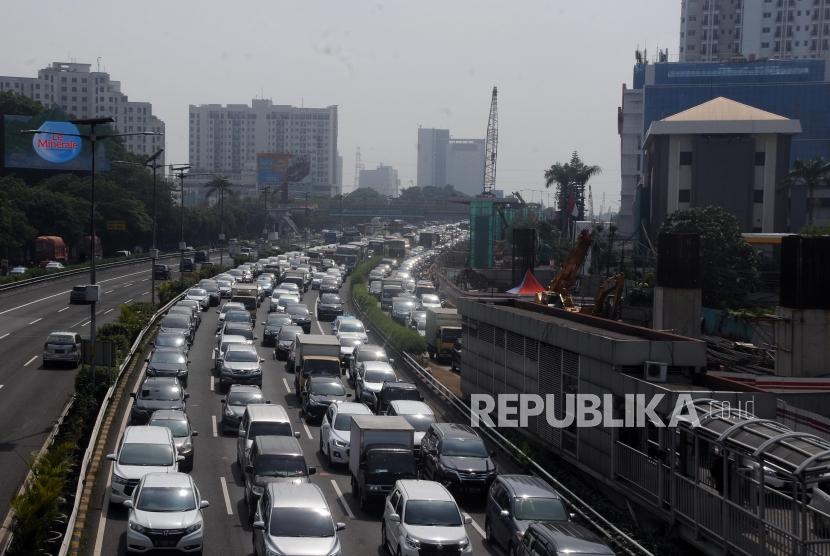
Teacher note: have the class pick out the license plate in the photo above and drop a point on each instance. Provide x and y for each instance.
(166, 543)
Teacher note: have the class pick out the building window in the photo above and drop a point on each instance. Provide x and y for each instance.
(684, 195)
(758, 196)
(760, 158)
(685, 158)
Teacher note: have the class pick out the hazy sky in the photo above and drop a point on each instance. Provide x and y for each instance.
(389, 65)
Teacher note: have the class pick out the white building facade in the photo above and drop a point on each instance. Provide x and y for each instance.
(83, 93)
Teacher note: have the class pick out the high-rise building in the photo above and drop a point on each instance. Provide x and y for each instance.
(714, 30)
(443, 160)
(227, 139)
(83, 93)
(383, 179)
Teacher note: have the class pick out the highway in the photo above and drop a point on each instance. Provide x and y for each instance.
(216, 473)
(31, 397)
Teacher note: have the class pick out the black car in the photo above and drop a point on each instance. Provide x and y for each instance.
(455, 455)
(285, 340)
(201, 256)
(168, 362)
(552, 539)
(318, 393)
(157, 392)
(187, 264)
(391, 391)
(329, 307)
(455, 355)
(300, 316)
(171, 340)
(161, 272)
(273, 323)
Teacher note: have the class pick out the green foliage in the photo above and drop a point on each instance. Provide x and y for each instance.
(729, 265)
(570, 179)
(815, 230)
(810, 174)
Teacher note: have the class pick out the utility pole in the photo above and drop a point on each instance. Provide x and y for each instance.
(180, 172)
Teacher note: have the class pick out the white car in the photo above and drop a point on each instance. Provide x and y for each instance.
(421, 516)
(143, 450)
(200, 295)
(165, 511)
(229, 306)
(418, 414)
(335, 430)
(370, 380)
(430, 300)
(351, 328)
(54, 265)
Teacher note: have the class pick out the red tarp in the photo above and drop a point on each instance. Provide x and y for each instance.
(529, 286)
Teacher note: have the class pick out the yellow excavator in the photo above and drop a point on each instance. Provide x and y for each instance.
(558, 292)
(608, 302)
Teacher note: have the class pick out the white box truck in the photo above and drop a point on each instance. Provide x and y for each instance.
(443, 328)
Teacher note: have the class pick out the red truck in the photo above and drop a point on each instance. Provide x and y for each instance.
(50, 248)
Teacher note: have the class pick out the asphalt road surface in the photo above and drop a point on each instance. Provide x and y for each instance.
(31, 397)
(217, 475)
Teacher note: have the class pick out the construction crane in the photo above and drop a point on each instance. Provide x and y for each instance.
(519, 198)
(491, 146)
(558, 292)
(608, 301)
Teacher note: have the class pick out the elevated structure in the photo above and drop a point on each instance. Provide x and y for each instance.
(492, 145)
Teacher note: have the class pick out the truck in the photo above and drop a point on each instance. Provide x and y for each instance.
(381, 451)
(248, 295)
(296, 277)
(443, 328)
(395, 248)
(313, 354)
(50, 248)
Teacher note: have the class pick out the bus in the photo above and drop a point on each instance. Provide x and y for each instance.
(50, 248)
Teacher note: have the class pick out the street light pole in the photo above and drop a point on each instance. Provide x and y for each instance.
(180, 173)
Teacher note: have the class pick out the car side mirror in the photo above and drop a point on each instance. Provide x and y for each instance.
(188, 361)
(249, 469)
(223, 401)
(203, 504)
(391, 361)
(194, 433)
(395, 518)
(348, 394)
(296, 435)
(132, 395)
(260, 525)
(240, 433)
(186, 395)
(504, 513)
(112, 457)
(312, 470)
(340, 525)
(146, 359)
(262, 360)
(179, 458)
(467, 519)
(127, 504)
(571, 516)
(218, 312)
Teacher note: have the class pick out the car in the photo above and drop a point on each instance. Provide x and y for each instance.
(240, 364)
(165, 512)
(376, 288)
(222, 346)
(267, 285)
(244, 329)
(454, 454)
(236, 401)
(285, 340)
(329, 285)
(300, 316)
(260, 420)
(201, 256)
(212, 288)
(335, 431)
(329, 307)
(391, 391)
(226, 308)
(419, 415)
(161, 272)
(352, 328)
(513, 502)
(54, 265)
(157, 392)
(316, 279)
(455, 354)
(370, 380)
(186, 312)
(194, 306)
(295, 519)
(18, 271)
(285, 300)
(273, 459)
(401, 309)
(347, 346)
(177, 324)
(318, 393)
(62, 347)
(142, 450)
(171, 340)
(187, 264)
(422, 517)
(183, 433)
(168, 362)
(365, 352)
(201, 295)
(225, 288)
(273, 323)
(558, 538)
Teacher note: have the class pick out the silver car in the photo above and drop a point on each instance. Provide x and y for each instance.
(183, 433)
(62, 347)
(240, 364)
(199, 294)
(165, 512)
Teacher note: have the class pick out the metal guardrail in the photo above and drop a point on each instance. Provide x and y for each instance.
(621, 540)
(75, 271)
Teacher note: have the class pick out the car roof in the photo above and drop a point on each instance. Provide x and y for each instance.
(244, 388)
(411, 407)
(273, 444)
(527, 486)
(400, 385)
(455, 430)
(370, 347)
(353, 408)
(62, 333)
(233, 339)
(168, 349)
(571, 537)
(238, 346)
(291, 495)
(378, 366)
(147, 434)
(267, 412)
(177, 479)
(416, 489)
(169, 414)
(314, 378)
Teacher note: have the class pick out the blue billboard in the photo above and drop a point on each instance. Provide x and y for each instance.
(57, 145)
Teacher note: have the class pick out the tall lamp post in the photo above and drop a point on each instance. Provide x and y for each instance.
(180, 170)
(92, 137)
(151, 162)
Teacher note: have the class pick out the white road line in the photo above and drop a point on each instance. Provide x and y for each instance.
(342, 499)
(109, 311)
(145, 279)
(287, 387)
(27, 363)
(85, 323)
(307, 430)
(77, 323)
(213, 422)
(1, 386)
(226, 495)
(109, 291)
(211, 383)
(128, 301)
(37, 320)
(64, 309)
(478, 529)
(316, 320)
(5, 335)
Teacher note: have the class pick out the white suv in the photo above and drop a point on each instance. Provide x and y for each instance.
(335, 430)
(423, 517)
(143, 450)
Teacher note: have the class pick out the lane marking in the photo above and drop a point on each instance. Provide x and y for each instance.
(1, 386)
(5, 335)
(64, 309)
(77, 323)
(307, 430)
(129, 300)
(316, 320)
(287, 388)
(226, 495)
(27, 363)
(342, 499)
(37, 320)
(145, 279)
(213, 422)
(109, 291)
(478, 529)
(87, 322)
(211, 383)
(109, 311)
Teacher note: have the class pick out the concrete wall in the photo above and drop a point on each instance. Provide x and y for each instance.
(803, 346)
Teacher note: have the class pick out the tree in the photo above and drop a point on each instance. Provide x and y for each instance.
(729, 265)
(570, 179)
(810, 174)
(13, 103)
(363, 196)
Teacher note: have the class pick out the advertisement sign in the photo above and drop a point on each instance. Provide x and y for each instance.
(277, 168)
(55, 146)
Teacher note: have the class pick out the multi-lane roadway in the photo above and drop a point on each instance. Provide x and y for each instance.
(227, 529)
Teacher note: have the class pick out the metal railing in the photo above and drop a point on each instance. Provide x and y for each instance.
(620, 539)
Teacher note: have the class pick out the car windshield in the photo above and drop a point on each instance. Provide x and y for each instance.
(327, 388)
(198, 292)
(430, 299)
(165, 340)
(464, 447)
(168, 357)
(244, 398)
(237, 316)
(224, 283)
(289, 332)
(277, 320)
(372, 355)
(350, 326)
(175, 322)
(163, 393)
(246, 333)
(297, 310)
(343, 422)
(286, 300)
(263, 428)
(403, 306)
(280, 466)
(133, 453)
(420, 422)
(450, 334)
(166, 499)
(379, 376)
(329, 299)
(241, 356)
(178, 427)
(60, 339)
(435, 513)
(539, 509)
(301, 522)
(229, 307)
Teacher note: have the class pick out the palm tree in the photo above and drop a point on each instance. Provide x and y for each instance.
(220, 185)
(812, 174)
(570, 179)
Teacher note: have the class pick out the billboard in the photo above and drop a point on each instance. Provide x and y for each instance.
(56, 147)
(277, 168)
